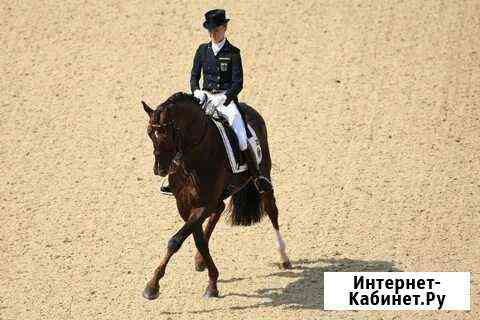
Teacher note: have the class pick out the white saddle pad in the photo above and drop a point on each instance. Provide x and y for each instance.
(253, 140)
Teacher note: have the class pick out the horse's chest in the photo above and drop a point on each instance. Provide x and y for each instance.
(186, 193)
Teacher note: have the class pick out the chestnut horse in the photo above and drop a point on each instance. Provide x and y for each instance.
(187, 146)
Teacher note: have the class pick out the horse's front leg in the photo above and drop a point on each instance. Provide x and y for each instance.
(197, 216)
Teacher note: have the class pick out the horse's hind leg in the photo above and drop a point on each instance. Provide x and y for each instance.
(212, 222)
(202, 247)
(270, 206)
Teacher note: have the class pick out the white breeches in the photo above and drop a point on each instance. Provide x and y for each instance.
(231, 113)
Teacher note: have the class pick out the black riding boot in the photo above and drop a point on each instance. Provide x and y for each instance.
(261, 183)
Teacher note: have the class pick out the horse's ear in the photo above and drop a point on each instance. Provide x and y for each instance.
(147, 109)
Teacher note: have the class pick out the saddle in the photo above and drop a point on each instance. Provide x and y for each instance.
(230, 141)
(232, 138)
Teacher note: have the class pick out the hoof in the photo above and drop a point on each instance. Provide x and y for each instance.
(150, 294)
(209, 293)
(286, 265)
(200, 267)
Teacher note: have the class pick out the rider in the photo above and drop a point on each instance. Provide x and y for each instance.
(221, 65)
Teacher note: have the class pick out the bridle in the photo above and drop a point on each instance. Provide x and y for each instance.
(177, 137)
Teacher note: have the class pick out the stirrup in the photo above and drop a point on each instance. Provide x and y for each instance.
(166, 189)
(262, 184)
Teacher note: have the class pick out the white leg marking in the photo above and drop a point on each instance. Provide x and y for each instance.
(281, 247)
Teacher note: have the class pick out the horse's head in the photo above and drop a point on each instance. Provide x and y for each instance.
(173, 126)
(162, 131)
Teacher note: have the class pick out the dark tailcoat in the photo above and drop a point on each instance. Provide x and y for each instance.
(221, 72)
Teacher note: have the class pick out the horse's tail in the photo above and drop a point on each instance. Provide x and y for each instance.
(245, 207)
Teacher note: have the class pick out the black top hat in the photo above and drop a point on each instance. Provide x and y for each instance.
(214, 18)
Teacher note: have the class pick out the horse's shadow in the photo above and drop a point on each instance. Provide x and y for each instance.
(306, 292)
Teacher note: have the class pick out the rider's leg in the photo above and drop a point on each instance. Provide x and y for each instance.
(231, 113)
(236, 122)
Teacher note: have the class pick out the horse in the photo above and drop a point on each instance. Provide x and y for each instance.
(188, 147)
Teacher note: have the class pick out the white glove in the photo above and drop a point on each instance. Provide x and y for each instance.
(200, 95)
(220, 100)
(210, 107)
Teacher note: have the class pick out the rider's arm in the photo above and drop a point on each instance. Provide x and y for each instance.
(237, 77)
(196, 70)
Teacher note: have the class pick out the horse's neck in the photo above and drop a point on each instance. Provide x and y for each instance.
(185, 111)
(191, 122)
(191, 119)
(197, 132)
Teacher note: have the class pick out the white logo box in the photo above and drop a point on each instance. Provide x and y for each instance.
(384, 291)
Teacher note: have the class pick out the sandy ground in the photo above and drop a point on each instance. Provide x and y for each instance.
(374, 125)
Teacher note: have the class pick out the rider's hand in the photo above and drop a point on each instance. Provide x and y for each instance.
(221, 100)
(217, 100)
(200, 95)
(213, 103)
(210, 108)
